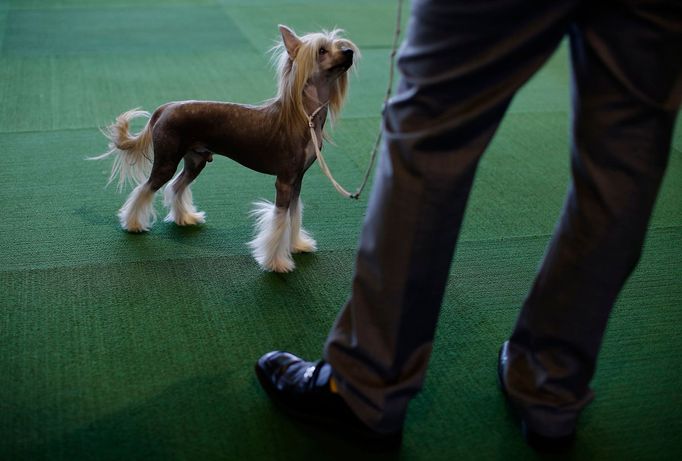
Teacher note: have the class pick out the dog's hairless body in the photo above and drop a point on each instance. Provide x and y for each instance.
(241, 132)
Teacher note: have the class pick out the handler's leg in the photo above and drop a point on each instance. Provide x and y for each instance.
(626, 76)
(461, 65)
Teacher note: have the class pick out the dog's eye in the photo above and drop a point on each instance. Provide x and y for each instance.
(322, 51)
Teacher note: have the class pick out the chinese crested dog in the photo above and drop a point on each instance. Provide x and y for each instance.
(273, 138)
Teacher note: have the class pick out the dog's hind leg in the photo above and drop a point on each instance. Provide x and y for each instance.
(177, 194)
(137, 213)
(272, 245)
(301, 241)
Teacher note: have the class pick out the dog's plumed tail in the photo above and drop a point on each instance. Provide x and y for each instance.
(133, 153)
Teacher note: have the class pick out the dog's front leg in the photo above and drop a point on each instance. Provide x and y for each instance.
(301, 240)
(272, 245)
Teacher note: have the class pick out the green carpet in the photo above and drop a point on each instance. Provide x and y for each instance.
(117, 346)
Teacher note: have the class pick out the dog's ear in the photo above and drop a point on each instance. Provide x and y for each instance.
(291, 41)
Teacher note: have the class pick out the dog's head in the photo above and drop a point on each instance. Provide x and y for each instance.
(324, 55)
(321, 58)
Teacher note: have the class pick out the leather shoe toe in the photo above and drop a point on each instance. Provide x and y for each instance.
(303, 389)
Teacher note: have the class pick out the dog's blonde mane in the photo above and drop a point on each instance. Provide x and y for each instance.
(292, 76)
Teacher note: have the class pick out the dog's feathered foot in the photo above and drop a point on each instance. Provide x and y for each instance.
(271, 247)
(304, 243)
(137, 213)
(181, 209)
(186, 219)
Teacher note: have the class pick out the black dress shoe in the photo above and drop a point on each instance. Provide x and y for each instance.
(539, 442)
(304, 390)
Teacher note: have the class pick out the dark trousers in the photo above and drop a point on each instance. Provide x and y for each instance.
(461, 64)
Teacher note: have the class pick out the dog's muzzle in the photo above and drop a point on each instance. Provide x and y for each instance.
(347, 59)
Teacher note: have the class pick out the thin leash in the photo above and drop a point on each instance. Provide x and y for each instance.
(320, 159)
